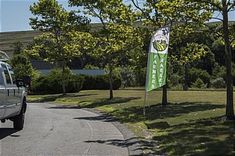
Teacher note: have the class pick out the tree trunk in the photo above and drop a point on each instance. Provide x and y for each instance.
(229, 103)
(185, 85)
(110, 83)
(164, 96)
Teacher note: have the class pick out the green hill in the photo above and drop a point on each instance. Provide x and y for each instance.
(7, 39)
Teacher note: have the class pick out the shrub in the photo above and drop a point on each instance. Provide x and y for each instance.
(21, 65)
(195, 74)
(100, 82)
(174, 80)
(198, 84)
(218, 83)
(128, 77)
(52, 84)
(219, 72)
(140, 77)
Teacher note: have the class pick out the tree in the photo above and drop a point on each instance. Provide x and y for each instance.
(18, 47)
(20, 61)
(21, 65)
(60, 29)
(117, 38)
(224, 7)
(184, 17)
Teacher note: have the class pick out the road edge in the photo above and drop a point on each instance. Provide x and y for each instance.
(133, 149)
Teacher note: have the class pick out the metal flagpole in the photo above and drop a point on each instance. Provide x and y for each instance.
(146, 84)
(147, 78)
(145, 98)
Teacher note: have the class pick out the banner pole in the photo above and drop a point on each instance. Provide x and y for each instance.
(157, 63)
(147, 79)
(145, 99)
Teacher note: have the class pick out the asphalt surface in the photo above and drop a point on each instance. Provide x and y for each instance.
(57, 131)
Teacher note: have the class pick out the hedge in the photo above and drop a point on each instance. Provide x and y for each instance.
(52, 83)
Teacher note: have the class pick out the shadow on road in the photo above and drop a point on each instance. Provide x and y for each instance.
(134, 142)
(51, 98)
(65, 107)
(103, 118)
(5, 132)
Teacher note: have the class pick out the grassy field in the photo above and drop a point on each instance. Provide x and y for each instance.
(7, 39)
(192, 124)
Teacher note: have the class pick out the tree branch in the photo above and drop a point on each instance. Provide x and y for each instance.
(136, 4)
(212, 3)
(217, 19)
(232, 7)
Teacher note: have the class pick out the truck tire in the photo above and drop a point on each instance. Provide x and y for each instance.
(18, 121)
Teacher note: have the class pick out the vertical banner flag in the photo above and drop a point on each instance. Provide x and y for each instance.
(157, 59)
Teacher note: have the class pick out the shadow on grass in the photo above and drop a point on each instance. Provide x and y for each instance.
(52, 98)
(116, 100)
(203, 137)
(135, 114)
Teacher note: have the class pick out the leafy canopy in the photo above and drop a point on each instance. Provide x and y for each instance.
(60, 27)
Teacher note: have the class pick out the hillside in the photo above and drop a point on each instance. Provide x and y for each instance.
(7, 39)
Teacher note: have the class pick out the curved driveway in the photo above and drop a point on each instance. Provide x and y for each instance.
(55, 131)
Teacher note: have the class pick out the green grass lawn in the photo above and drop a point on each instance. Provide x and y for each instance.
(192, 124)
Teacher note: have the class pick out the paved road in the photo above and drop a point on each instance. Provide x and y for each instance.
(55, 131)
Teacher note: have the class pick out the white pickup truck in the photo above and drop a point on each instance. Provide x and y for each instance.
(12, 97)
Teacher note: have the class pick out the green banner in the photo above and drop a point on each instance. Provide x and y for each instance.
(157, 60)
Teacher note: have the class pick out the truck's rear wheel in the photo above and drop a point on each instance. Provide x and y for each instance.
(18, 121)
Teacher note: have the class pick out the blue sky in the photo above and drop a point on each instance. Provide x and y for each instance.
(15, 14)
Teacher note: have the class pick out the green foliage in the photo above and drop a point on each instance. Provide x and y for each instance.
(89, 66)
(61, 40)
(218, 83)
(117, 41)
(190, 53)
(186, 19)
(100, 82)
(21, 65)
(70, 46)
(131, 76)
(206, 63)
(219, 71)
(128, 77)
(232, 35)
(105, 10)
(195, 74)
(198, 84)
(18, 48)
(50, 16)
(140, 76)
(52, 83)
(161, 12)
(174, 80)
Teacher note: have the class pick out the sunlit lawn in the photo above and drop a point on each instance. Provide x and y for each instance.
(192, 124)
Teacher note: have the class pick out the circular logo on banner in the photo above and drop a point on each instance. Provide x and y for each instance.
(160, 44)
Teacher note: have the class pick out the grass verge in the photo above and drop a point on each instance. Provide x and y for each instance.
(192, 123)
